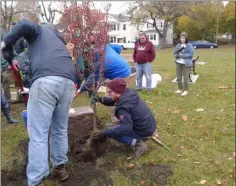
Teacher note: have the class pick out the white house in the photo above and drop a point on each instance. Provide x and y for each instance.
(122, 31)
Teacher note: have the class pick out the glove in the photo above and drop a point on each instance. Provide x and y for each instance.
(25, 91)
(98, 136)
(98, 99)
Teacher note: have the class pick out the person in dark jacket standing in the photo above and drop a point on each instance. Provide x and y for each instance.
(5, 73)
(51, 93)
(144, 54)
(136, 121)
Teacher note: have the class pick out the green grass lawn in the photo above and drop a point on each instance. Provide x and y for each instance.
(203, 143)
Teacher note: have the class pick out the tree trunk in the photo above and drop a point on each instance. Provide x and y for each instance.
(163, 39)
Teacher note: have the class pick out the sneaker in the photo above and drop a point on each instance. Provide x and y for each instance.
(60, 173)
(184, 93)
(140, 148)
(178, 91)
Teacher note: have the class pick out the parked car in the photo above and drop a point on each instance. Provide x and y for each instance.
(203, 44)
(125, 46)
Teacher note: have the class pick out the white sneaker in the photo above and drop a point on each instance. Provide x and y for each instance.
(178, 91)
(184, 93)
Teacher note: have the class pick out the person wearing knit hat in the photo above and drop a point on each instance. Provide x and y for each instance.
(136, 120)
(184, 60)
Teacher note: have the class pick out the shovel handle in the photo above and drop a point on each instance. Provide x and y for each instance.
(17, 78)
(160, 143)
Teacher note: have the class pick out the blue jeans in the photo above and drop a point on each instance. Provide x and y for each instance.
(3, 99)
(144, 69)
(50, 98)
(128, 139)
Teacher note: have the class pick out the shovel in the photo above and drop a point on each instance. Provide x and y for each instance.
(160, 143)
(17, 78)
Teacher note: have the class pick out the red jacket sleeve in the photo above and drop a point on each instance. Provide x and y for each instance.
(153, 52)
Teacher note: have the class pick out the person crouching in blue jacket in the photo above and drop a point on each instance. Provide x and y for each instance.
(136, 121)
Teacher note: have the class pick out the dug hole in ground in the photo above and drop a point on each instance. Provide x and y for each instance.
(82, 166)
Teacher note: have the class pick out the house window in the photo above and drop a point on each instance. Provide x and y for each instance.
(124, 39)
(161, 24)
(113, 39)
(124, 26)
(118, 27)
(112, 27)
(151, 37)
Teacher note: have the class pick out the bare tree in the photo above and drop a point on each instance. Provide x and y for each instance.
(48, 11)
(169, 11)
(9, 9)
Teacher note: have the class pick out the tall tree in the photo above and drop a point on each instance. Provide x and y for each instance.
(201, 21)
(48, 10)
(227, 19)
(143, 11)
(11, 8)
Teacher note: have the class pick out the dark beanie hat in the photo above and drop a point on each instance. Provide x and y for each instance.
(117, 85)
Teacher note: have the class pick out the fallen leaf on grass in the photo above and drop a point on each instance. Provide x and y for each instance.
(177, 111)
(226, 87)
(202, 182)
(185, 118)
(198, 163)
(131, 165)
(218, 182)
(200, 109)
(151, 162)
(142, 182)
(129, 158)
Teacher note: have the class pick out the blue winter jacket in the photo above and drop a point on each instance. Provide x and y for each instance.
(115, 66)
(133, 114)
(116, 47)
(186, 53)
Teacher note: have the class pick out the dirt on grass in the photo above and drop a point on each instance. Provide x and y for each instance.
(83, 153)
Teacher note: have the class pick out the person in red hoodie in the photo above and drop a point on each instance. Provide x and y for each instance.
(144, 54)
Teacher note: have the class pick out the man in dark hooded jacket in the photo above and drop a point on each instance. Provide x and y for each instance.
(51, 93)
(136, 121)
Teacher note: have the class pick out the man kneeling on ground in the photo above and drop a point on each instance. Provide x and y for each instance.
(136, 121)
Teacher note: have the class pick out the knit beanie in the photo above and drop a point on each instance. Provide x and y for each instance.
(117, 85)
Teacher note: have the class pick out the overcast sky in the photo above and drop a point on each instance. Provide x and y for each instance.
(116, 6)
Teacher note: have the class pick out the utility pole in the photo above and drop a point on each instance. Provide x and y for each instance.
(217, 21)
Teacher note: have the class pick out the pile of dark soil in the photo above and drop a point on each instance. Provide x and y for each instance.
(82, 156)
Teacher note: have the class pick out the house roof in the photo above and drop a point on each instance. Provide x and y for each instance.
(120, 17)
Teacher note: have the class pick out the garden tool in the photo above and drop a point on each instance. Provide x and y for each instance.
(17, 77)
(160, 143)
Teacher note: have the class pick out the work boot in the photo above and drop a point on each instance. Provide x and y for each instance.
(7, 113)
(60, 173)
(140, 148)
